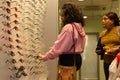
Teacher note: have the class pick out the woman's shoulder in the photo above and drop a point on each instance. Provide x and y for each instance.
(118, 29)
(70, 25)
(67, 27)
(102, 33)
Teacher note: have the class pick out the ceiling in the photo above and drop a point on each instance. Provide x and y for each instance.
(94, 8)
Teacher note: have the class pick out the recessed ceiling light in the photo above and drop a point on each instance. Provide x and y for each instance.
(80, 0)
(85, 17)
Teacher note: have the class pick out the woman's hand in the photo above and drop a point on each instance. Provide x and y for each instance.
(110, 50)
(40, 56)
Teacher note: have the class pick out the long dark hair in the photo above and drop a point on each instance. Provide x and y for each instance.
(113, 16)
(71, 14)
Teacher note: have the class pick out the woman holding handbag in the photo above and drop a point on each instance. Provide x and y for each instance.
(69, 44)
(109, 40)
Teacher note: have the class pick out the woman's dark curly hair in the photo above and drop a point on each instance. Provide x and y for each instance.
(71, 14)
(113, 16)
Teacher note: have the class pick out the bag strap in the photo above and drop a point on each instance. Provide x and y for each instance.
(74, 57)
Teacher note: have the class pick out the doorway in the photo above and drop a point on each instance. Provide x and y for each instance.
(90, 66)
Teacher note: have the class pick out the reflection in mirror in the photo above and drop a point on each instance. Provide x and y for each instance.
(93, 10)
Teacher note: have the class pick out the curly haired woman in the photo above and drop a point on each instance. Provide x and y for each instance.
(71, 41)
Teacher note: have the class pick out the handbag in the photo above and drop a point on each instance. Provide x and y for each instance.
(67, 69)
(99, 49)
(66, 73)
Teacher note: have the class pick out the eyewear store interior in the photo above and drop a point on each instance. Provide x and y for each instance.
(31, 26)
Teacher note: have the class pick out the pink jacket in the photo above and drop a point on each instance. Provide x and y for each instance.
(64, 42)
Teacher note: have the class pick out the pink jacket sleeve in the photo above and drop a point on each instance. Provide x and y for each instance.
(62, 44)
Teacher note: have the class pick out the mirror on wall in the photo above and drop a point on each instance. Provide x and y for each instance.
(93, 10)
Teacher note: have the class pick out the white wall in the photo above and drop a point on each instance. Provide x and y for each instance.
(51, 31)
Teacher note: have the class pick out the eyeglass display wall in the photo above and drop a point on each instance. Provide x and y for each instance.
(21, 38)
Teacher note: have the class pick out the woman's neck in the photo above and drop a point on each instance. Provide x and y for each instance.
(110, 28)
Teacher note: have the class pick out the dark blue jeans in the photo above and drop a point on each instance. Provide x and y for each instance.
(106, 70)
